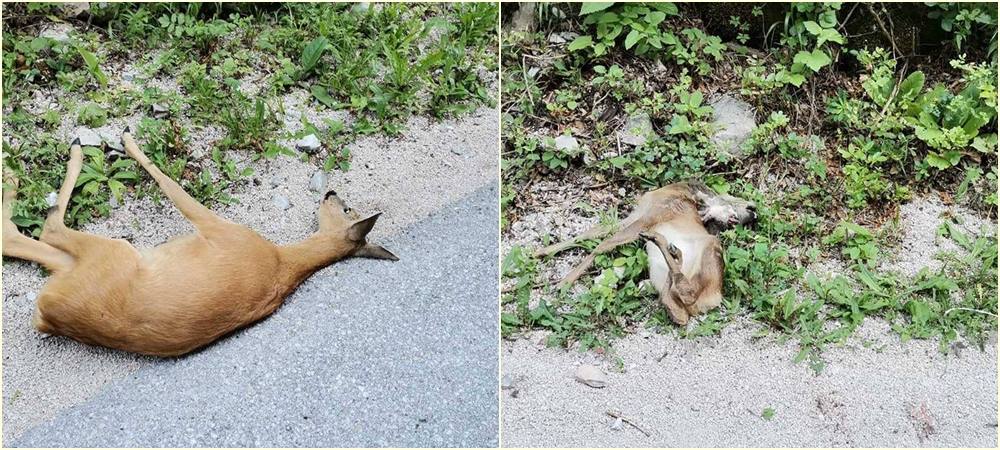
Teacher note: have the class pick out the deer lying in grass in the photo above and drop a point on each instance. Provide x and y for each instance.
(183, 294)
(685, 260)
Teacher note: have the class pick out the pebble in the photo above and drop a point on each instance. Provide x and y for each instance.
(567, 144)
(276, 181)
(637, 130)
(281, 202)
(735, 121)
(51, 199)
(507, 382)
(88, 137)
(618, 424)
(591, 376)
(58, 32)
(113, 142)
(160, 111)
(318, 182)
(308, 144)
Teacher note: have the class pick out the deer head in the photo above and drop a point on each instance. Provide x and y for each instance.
(342, 233)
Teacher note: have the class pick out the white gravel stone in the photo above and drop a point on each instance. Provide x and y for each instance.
(308, 144)
(734, 121)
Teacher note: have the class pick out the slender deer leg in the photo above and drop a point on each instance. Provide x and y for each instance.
(57, 213)
(671, 253)
(682, 289)
(675, 310)
(54, 231)
(195, 212)
(17, 245)
(628, 234)
(594, 232)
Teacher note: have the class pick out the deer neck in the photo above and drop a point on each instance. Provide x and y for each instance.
(302, 259)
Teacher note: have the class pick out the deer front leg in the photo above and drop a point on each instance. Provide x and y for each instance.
(675, 310)
(202, 217)
(683, 289)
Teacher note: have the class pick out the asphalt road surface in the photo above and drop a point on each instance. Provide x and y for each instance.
(372, 353)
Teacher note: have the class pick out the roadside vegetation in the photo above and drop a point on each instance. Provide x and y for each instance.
(179, 69)
(859, 109)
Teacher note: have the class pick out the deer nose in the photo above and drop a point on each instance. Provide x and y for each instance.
(330, 194)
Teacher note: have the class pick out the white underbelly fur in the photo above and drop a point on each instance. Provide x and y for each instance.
(659, 273)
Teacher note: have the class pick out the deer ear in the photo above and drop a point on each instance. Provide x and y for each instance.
(375, 252)
(360, 229)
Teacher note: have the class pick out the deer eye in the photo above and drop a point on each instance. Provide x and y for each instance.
(347, 210)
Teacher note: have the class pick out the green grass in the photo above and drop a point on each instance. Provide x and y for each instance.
(380, 66)
(853, 131)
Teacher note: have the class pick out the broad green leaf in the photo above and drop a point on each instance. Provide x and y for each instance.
(592, 7)
(580, 43)
(911, 86)
(680, 124)
(93, 66)
(311, 55)
(813, 27)
(655, 17)
(815, 59)
(320, 93)
(631, 39)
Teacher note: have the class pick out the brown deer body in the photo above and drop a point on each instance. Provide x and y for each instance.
(685, 260)
(183, 294)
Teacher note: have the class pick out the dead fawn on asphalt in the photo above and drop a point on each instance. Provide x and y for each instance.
(685, 259)
(185, 293)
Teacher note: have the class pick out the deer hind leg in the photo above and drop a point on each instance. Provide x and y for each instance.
(17, 245)
(202, 218)
(55, 232)
(628, 234)
(593, 232)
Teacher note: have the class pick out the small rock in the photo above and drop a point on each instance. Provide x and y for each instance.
(540, 338)
(957, 347)
(568, 144)
(638, 129)
(734, 120)
(532, 71)
(31, 296)
(318, 182)
(276, 181)
(281, 202)
(114, 143)
(458, 150)
(618, 424)
(51, 199)
(57, 31)
(113, 202)
(562, 38)
(507, 382)
(308, 144)
(88, 137)
(591, 376)
(160, 111)
(75, 9)
(360, 7)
